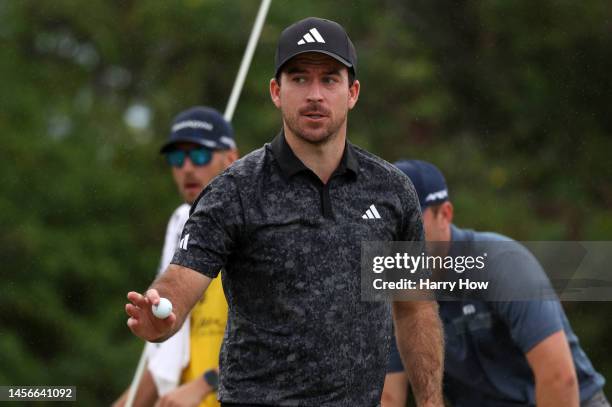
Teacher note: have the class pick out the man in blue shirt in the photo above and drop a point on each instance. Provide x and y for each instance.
(497, 353)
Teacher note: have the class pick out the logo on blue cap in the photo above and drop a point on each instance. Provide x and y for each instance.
(203, 126)
(427, 179)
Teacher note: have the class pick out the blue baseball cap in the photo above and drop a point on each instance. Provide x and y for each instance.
(201, 125)
(427, 179)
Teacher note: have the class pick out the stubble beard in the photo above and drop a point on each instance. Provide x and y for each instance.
(330, 133)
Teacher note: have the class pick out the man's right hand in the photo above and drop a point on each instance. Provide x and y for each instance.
(142, 322)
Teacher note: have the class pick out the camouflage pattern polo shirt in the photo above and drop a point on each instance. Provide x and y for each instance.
(298, 333)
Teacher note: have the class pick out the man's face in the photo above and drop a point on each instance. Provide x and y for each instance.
(191, 179)
(431, 224)
(314, 96)
(437, 221)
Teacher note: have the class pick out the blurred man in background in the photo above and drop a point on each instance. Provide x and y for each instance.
(201, 145)
(497, 353)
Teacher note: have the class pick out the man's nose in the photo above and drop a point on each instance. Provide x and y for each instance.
(314, 92)
(188, 165)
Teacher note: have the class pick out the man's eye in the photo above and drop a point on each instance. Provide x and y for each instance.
(330, 80)
(299, 79)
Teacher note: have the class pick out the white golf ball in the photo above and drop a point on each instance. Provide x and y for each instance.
(163, 309)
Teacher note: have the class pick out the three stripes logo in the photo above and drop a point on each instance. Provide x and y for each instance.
(184, 241)
(371, 213)
(312, 35)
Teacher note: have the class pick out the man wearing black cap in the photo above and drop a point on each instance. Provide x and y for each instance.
(499, 353)
(286, 222)
(200, 146)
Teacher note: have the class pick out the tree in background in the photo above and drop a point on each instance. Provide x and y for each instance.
(510, 99)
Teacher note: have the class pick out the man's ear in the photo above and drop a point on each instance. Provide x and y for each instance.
(231, 156)
(447, 211)
(354, 93)
(275, 92)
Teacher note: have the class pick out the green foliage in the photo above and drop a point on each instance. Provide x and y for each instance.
(510, 99)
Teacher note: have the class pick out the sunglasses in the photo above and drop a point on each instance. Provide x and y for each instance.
(198, 156)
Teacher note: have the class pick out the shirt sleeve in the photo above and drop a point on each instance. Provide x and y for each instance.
(529, 321)
(411, 230)
(212, 230)
(411, 227)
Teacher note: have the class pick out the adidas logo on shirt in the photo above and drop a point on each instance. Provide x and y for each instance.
(371, 213)
(184, 241)
(315, 37)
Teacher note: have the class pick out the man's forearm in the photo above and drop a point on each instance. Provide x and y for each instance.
(563, 393)
(184, 288)
(554, 372)
(146, 392)
(421, 344)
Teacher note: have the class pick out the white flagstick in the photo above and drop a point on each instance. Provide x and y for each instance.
(246, 59)
(229, 113)
(137, 377)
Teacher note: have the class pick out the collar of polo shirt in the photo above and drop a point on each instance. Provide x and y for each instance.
(290, 164)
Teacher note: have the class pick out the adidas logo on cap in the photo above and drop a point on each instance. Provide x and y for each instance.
(309, 38)
(314, 34)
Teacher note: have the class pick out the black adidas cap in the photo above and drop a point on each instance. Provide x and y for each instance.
(315, 35)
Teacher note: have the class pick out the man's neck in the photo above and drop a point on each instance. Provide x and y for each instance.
(322, 159)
